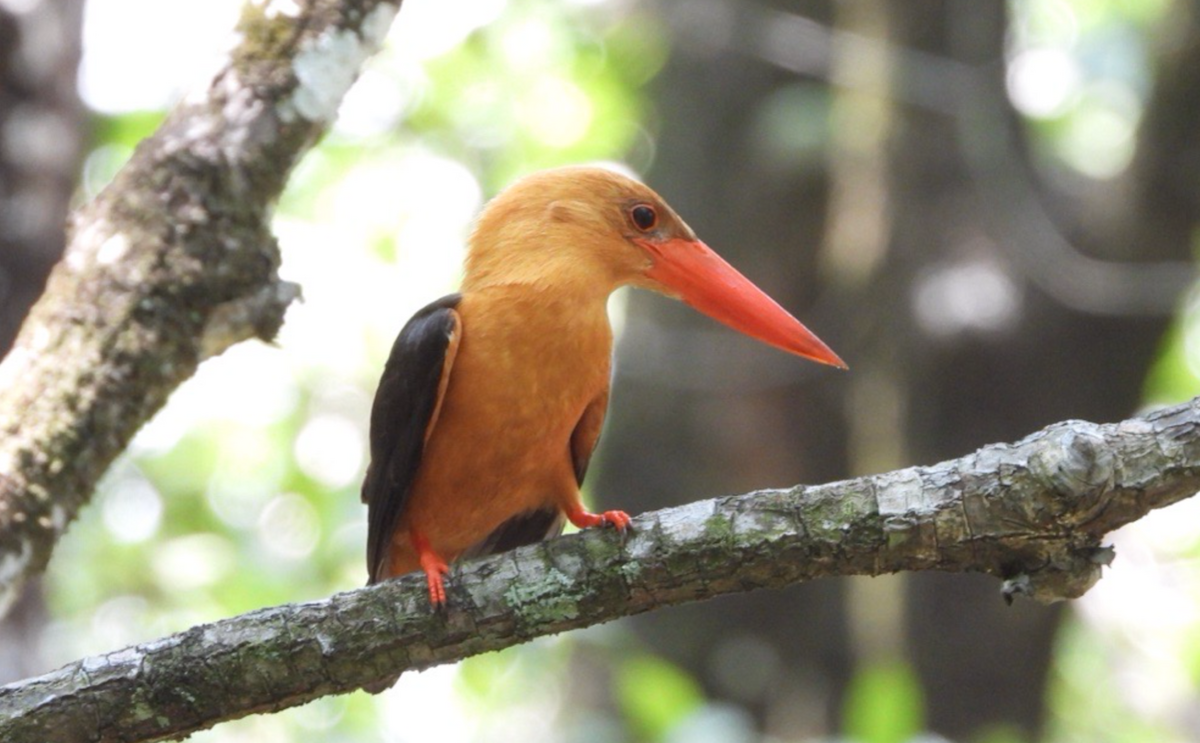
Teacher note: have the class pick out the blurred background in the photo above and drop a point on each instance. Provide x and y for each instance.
(989, 209)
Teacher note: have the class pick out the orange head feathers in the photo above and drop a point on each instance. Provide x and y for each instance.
(588, 230)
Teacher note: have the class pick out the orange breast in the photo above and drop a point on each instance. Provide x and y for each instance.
(528, 365)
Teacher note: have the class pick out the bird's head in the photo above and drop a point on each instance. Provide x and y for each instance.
(590, 230)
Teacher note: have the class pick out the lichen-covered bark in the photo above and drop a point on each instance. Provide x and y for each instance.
(172, 263)
(1031, 513)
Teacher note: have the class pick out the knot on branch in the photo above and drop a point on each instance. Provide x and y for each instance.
(1075, 462)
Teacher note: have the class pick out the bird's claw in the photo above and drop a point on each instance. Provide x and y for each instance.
(582, 519)
(619, 519)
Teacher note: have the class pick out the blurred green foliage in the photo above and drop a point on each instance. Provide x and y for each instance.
(884, 704)
(655, 695)
(1080, 72)
(1175, 376)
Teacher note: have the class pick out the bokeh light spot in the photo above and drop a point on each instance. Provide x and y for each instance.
(330, 449)
(185, 38)
(192, 562)
(289, 526)
(966, 296)
(131, 509)
(557, 112)
(1043, 82)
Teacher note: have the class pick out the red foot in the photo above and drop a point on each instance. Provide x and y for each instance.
(583, 519)
(434, 566)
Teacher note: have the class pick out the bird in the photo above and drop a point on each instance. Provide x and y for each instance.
(492, 399)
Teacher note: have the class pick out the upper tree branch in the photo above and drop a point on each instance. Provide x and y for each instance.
(1031, 513)
(172, 263)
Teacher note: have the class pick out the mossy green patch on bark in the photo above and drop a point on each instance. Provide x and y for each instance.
(719, 527)
(546, 599)
(265, 37)
(603, 551)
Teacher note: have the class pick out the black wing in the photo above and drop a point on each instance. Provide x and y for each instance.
(406, 403)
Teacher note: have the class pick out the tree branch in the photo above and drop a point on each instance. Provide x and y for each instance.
(172, 263)
(1031, 513)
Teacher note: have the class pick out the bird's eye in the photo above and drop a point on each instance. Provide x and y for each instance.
(644, 217)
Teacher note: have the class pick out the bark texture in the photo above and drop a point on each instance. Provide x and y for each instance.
(172, 263)
(1031, 513)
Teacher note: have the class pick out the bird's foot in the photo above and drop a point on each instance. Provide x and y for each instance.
(434, 567)
(582, 519)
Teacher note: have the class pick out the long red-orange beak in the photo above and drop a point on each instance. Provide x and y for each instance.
(702, 279)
